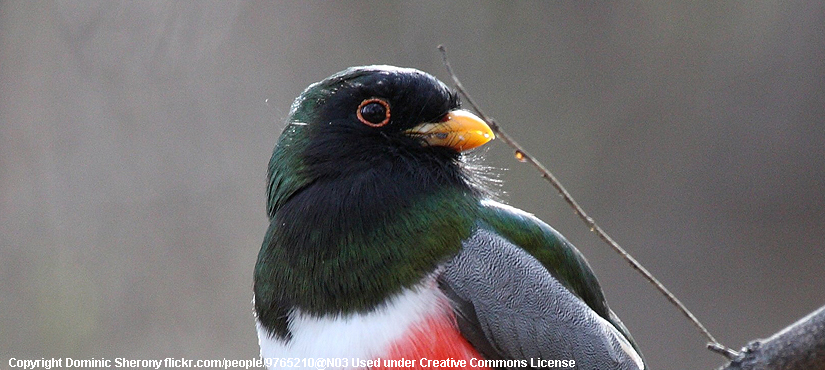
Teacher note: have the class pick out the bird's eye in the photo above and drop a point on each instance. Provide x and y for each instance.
(374, 112)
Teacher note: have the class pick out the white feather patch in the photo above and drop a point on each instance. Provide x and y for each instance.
(362, 335)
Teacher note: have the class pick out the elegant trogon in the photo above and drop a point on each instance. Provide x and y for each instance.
(385, 250)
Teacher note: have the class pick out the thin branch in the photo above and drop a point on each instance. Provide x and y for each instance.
(523, 156)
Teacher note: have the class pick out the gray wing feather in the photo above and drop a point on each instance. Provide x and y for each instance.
(510, 307)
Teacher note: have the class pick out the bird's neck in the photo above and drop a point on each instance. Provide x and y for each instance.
(346, 244)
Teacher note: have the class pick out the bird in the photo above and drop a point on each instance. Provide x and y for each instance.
(385, 248)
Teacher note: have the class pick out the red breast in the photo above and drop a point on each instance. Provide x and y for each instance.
(434, 344)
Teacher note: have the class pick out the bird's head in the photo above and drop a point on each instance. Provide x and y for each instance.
(369, 121)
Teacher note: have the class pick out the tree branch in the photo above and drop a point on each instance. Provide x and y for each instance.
(799, 346)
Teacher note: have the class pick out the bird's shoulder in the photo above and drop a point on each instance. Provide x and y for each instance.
(548, 246)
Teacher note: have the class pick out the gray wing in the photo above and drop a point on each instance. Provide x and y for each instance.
(509, 306)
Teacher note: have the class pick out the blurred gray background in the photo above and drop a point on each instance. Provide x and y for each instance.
(134, 138)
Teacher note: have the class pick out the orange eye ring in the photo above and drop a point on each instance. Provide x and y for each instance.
(371, 119)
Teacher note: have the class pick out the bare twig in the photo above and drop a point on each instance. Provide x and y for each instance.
(523, 156)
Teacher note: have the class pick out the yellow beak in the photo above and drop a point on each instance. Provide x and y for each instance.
(461, 130)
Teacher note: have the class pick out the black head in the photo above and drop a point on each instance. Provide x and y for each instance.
(367, 118)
